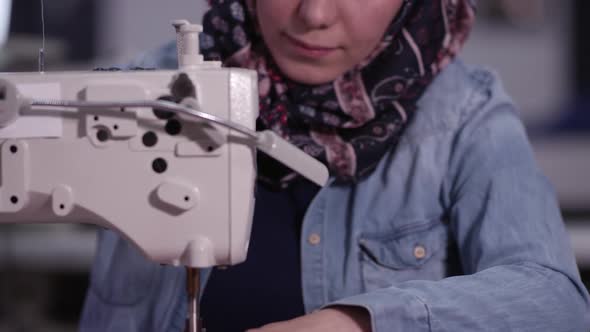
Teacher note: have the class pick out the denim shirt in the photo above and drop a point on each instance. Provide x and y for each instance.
(455, 230)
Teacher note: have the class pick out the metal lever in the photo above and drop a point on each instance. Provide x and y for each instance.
(293, 157)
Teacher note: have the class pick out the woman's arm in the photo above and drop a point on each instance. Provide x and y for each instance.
(520, 270)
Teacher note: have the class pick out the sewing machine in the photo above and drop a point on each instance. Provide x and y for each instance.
(164, 158)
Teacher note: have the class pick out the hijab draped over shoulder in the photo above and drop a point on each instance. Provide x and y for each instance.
(350, 123)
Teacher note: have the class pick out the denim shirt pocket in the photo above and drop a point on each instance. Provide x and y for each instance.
(417, 251)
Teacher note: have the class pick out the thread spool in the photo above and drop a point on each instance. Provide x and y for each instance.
(187, 42)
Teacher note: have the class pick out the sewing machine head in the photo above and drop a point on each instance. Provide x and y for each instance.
(165, 158)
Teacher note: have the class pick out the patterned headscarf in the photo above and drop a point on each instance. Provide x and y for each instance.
(350, 123)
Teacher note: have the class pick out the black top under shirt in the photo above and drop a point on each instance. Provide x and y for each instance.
(267, 287)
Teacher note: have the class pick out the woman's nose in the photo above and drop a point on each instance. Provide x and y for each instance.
(318, 14)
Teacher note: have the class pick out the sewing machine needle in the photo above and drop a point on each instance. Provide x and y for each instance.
(193, 284)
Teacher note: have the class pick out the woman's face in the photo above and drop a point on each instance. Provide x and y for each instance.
(315, 41)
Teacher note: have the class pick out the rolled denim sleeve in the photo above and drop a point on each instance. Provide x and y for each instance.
(520, 271)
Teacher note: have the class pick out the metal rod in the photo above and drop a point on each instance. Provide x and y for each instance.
(161, 105)
(193, 285)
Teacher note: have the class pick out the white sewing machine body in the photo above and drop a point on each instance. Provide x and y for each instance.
(177, 192)
(165, 158)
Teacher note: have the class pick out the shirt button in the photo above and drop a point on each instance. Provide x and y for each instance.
(314, 239)
(419, 252)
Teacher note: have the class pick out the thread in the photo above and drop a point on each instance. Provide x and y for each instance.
(42, 49)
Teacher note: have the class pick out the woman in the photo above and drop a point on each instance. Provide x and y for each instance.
(437, 218)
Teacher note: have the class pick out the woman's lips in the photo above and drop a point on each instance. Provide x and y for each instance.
(309, 50)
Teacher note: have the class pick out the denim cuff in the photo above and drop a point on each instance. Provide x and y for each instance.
(391, 309)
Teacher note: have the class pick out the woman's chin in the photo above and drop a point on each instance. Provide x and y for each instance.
(310, 74)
